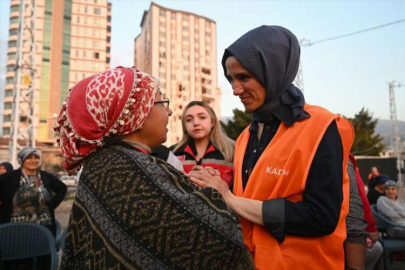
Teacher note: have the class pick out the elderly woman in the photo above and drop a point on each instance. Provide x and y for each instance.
(29, 194)
(131, 210)
(291, 188)
(393, 208)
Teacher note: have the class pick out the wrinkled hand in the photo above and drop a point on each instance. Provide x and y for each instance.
(209, 178)
(212, 171)
(373, 236)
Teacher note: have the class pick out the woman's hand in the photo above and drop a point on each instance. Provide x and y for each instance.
(209, 177)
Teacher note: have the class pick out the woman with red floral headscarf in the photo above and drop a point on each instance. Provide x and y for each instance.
(131, 210)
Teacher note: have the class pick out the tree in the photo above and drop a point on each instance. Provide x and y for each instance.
(366, 142)
(240, 121)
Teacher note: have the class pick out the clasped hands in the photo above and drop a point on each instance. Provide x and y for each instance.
(208, 177)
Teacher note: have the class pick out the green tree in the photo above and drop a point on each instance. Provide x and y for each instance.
(366, 141)
(239, 122)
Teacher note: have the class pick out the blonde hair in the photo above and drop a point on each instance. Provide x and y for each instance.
(218, 136)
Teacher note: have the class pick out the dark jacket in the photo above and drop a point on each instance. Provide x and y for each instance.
(10, 183)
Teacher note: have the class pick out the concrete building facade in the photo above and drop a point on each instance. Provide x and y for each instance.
(72, 43)
(179, 48)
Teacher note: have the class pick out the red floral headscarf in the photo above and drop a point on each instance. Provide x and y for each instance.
(115, 102)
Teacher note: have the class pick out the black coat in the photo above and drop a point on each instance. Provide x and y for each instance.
(10, 183)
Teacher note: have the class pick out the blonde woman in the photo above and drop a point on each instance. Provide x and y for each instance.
(204, 142)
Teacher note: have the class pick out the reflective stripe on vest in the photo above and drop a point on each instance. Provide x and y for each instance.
(281, 171)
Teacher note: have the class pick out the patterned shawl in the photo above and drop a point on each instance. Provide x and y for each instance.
(133, 211)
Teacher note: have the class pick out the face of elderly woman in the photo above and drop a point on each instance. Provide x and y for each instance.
(391, 193)
(154, 129)
(251, 93)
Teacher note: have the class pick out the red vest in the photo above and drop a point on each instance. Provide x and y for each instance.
(282, 171)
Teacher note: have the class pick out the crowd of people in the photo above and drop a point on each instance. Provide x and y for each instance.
(286, 195)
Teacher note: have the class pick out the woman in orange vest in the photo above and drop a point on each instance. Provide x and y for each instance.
(290, 182)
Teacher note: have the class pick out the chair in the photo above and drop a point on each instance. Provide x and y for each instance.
(57, 234)
(26, 240)
(389, 244)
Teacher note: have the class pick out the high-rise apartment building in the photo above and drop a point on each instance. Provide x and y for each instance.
(179, 48)
(72, 43)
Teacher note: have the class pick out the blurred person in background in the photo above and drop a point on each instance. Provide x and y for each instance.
(132, 210)
(29, 194)
(204, 142)
(378, 190)
(5, 167)
(394, 208)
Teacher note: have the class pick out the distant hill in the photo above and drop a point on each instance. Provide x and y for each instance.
(383, 128)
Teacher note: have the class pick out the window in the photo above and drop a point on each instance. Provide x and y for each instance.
(85, 9)
(185, 28)
(185, 18)
(162, 44)
(12, 56)
(10, 68)
(13, 32)
(77, 19)
(7, 105)
(162, 13)
(185, 38)
(6, 131)
(163, 24)
(12, 44)
(7, 118)
(97, 11)
(173, 76)
(84, 54)
(9, 93)
(96, 55)
(14, 20)
(173, 16)
(161, 64)
(15, 8)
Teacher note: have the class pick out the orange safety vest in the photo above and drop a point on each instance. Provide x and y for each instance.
(281, 172)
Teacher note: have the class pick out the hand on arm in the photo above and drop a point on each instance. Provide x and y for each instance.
(246, 208)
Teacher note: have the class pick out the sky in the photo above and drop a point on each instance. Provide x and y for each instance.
(342, 75)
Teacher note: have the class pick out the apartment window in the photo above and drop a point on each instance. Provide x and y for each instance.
(15, 8)
(162, 75)
(162, 34)
(96, 55)
(163, 24)
(6, 131)
(85, 9)
(162, 44)
(12, 56)
(173, 76)
(185, 28)
(162, 13)
(185, 38)
(7, 118)
(185, 18)
(10, 68)
(173, 16)
(97, 11)
(14, 20)
(12, 44)
(161, 64)
(185, 67)
(84, 54)
(7, 105)
(77, 19)
(162, 54)
(13, 32)
(206, 71)
(9, 93)
(95, 44)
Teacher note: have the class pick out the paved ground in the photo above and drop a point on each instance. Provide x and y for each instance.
(62, 213)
